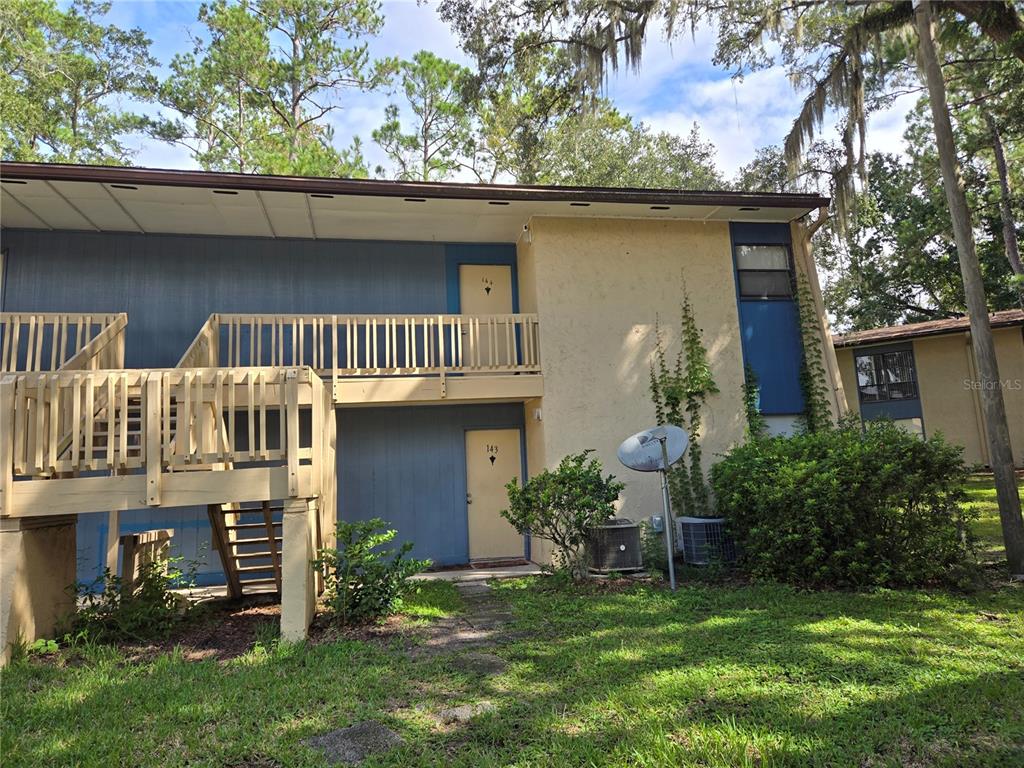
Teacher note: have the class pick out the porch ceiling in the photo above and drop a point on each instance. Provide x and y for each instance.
(39, 196)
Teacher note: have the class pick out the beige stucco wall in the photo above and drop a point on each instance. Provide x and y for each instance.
(945, 370)
(1010, 356)
(598, 286)
(947, 403)
(37, 565)
(803, 258)
(848, 373)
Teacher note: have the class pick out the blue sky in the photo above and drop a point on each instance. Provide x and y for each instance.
(676, 86)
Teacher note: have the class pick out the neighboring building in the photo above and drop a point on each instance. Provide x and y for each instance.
(453, 336)
(923, 376)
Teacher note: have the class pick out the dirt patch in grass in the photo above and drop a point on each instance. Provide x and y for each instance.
(323, 630)
(221, 630)
(227, 629)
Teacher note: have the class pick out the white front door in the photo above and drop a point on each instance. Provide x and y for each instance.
(485, 290)
(492, 459)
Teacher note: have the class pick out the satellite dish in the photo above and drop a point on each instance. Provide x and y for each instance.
(643, 453)
(655, 450)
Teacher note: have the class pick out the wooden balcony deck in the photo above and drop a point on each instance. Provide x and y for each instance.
(82, 434)
(385, 359)
(93, 441)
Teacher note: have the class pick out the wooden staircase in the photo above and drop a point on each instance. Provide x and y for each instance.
(248, 539)
(113, 434)
(79, 433)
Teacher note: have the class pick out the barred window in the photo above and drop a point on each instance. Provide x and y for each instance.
(886, 376)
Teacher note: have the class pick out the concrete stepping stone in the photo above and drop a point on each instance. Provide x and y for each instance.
(465, 713)
(473, 589)
(479, 663)
(352, 745)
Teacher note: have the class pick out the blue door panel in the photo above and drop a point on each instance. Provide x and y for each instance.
(772, 347)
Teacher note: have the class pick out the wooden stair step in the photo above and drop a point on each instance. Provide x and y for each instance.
(250, 555)
(254, 582)
(253, 540)
(249, 526)
(269, 568)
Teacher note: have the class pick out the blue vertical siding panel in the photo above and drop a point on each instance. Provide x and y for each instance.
(408, 466)
(771, 346)
(170, 284)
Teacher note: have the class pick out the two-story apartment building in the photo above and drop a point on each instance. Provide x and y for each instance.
(243, 359)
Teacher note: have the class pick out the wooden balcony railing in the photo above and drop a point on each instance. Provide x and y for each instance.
(47, 341)
(104, 352)
(371, 345)
(143, 426)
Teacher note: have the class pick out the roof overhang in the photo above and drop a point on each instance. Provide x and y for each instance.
(1006, 318)
(105, 199)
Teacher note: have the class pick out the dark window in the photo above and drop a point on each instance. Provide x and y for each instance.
(764, 272)
(885, 376)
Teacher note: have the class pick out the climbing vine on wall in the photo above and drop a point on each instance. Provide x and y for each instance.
(679, 392)
(757, 424)
(817, 415)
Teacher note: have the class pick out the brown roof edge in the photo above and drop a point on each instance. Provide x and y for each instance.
(371, 187)
(1003, 319)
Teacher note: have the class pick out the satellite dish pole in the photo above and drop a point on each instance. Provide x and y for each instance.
(666, 500)
(639, 452)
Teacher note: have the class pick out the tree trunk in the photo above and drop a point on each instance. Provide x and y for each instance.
(1005, 211)
(296, 101)
(994, 410)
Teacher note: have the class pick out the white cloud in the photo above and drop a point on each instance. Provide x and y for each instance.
(738, 116)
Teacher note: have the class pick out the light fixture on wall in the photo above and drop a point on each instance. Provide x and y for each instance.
(538, 415)
(527, 234)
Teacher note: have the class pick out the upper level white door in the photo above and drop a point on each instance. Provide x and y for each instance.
(485, 289)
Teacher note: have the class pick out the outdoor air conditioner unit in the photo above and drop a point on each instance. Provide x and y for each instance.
(615, 546)
(703, 540)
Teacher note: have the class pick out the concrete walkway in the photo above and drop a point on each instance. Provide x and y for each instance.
(481, 626)
(455, 575)
(480, 574)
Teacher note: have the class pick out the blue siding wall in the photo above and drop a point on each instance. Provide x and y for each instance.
(770, 331)
(771, 346)
(408, 466)
(170, 284)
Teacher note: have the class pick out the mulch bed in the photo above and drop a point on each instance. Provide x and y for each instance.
(221, 630)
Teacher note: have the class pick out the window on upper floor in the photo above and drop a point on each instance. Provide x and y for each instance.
(886, 376)
(764, 271)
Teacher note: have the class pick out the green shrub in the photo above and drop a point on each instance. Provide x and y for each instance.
(362, 580)
(848, 507)
(109, 613)
(563, 506)
(652, 546)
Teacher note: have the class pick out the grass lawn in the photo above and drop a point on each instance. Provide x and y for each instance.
(714, 675)
(982, 495)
